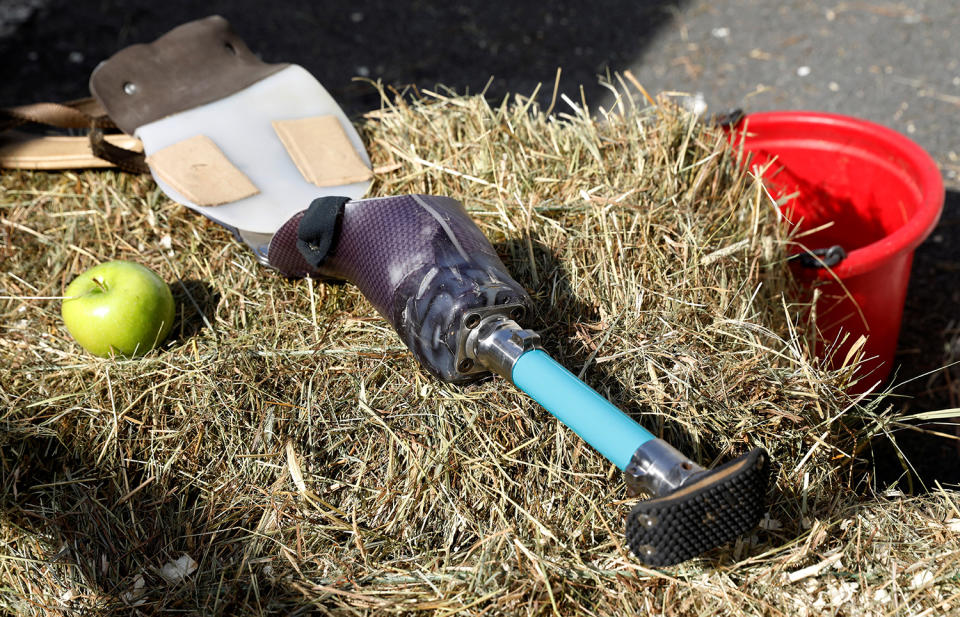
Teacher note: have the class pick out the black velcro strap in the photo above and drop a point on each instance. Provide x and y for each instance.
(318, 229)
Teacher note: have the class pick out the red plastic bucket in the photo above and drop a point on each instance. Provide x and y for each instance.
(862, 187)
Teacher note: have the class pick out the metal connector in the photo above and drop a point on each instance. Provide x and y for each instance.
(466, 359)
(497, 342)
(658, 468)
(259, 243)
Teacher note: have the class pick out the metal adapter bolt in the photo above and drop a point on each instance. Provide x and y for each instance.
(497, 342)
(659, 469)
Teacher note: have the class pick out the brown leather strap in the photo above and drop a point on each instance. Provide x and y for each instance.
(194, 64)
(79, 114)
(21, 150)
(85, 113)
(127, 160)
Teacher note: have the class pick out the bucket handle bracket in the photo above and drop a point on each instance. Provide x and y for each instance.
(821, 258)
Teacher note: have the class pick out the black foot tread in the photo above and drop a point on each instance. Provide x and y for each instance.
(716, 507)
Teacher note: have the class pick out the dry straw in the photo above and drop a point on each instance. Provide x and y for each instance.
(283, 453)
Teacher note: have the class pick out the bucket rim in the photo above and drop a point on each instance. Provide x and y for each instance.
(925, 173)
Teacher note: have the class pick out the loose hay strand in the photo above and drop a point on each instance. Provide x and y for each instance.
(285, 443)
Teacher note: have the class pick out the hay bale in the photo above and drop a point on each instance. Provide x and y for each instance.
(283, 452)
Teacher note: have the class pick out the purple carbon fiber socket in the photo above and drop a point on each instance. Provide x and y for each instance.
(422, 263)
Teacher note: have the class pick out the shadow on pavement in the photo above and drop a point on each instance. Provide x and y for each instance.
(458, 44)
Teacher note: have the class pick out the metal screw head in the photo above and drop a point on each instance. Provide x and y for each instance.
(761, 461)
(525, 339)
(471, 321)
(647, 520)
(465, 366)
(129, 88)
(646, 550)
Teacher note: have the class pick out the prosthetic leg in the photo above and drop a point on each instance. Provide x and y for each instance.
(432, 274)
(249, 144)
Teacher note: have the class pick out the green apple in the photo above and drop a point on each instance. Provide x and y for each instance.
(118, 307)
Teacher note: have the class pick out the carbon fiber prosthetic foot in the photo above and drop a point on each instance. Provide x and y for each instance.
(692, 510)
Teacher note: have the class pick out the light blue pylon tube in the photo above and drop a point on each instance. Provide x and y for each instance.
(610, 431)
(713, 507)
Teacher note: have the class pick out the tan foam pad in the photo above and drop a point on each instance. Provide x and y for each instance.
(198, 170)
(321, 150)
